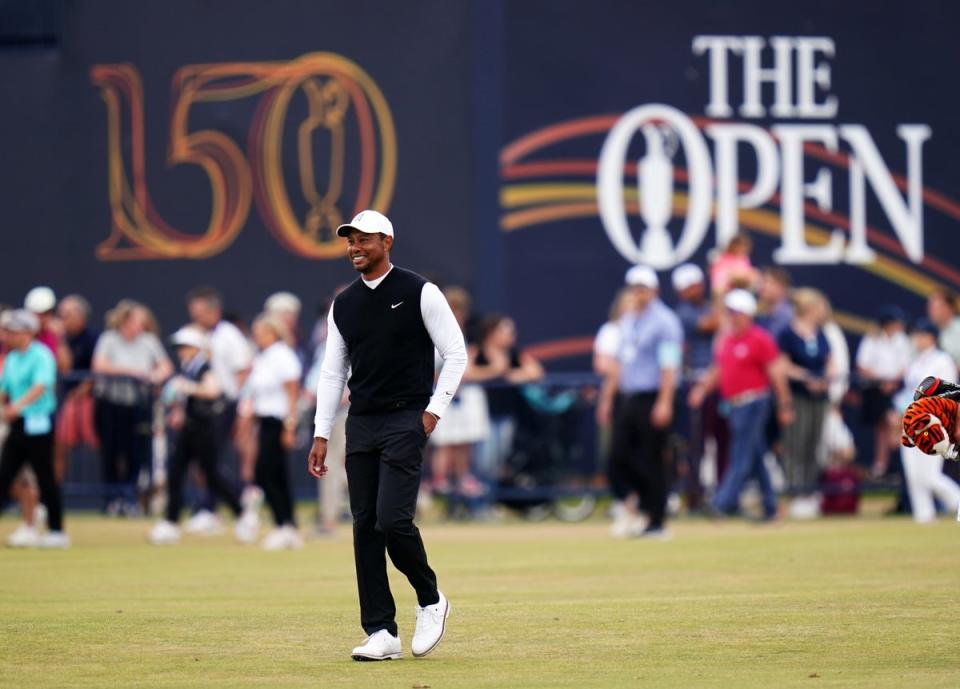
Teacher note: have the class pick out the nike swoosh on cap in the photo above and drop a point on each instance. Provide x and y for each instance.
(393, 306)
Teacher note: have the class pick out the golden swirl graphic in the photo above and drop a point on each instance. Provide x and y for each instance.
(335, 88)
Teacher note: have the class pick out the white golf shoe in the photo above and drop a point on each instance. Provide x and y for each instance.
(380, 645)
(248, 527)
(204, 523)
(54, 540)
(25, 536)
(431, 624)
(283, 538)
(164, 533)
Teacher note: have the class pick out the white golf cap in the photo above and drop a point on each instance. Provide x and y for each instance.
(367, 221)
(40, 300)
(21, 321)
(642, 276)
(190, 336)
(282, 302)
(685, 276)
(741, 301)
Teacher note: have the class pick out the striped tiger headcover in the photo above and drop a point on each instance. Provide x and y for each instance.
(928, 424)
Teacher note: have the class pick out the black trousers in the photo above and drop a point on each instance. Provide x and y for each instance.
(37, 451)
(384, 461)
(197, 441)
(271, 471)
(126, 438)
(227, 460)
(639, 452)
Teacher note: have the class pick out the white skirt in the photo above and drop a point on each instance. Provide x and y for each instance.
(466, 420)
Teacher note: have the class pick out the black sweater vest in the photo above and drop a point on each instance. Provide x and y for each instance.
(390, 350)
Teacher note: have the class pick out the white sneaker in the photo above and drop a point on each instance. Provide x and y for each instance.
(204, 523)
(25, 536)
(247, 528)
(164, 533)
(627, 525)
(40, 517)
(805, 507)
(380, 645)
(54, 539)
(283, 538)
(294, 539)
(431, 624)
(252, 498)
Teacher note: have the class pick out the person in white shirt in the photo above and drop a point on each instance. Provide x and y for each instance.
(881, 361)
(273, 389)
(230, 359)
(924, 473)
(384, 329)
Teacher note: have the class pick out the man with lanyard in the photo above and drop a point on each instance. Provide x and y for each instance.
(383, 329)
(646, 375)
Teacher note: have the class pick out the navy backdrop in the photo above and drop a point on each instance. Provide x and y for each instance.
(499, 114)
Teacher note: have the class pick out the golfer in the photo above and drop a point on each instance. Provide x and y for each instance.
(384, 328)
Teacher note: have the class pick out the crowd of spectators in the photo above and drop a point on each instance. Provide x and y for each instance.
(737, 390)
(766, 390)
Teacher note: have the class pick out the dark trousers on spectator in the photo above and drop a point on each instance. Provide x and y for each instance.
(37, 451)
(801, 441)
(197, 442)
(271, 471)
(619, 488)
(384, 461)
(126, 437)
(226, 454)
(639, 451)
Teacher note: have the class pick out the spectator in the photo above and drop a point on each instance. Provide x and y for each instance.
(498, 363)
(924, 473)
(332, 488)
(464, 424)
(839, 381)
(29, 403)
(230, 359)
(805, 356)
(700, 322)
(882, 360)
(606, 345)
(128, 362)
(746, 367)
(195, 422)
(774, 310)
(274, 388)
(942, 311)
(287, 306)
(733, 266)
(42, 302)
(646, 375)
(75, 421)
(24, 490)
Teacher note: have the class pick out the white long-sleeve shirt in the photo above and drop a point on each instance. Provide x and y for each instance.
(443, 329)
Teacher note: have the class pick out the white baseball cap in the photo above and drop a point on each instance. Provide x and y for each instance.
(367, 221)
(642, 276)
(21, 321)
(686, 275)
(190, 336)
(40, 300)
(282, 302)
(741, 301)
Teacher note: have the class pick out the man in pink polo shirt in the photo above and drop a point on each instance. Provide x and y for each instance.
(746, 368)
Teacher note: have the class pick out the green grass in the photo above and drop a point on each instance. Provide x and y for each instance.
(866, 603)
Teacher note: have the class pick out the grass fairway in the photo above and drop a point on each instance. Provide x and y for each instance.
(867, 603)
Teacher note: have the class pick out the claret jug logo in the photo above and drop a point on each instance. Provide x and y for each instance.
(663, 176)
(347, 119)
